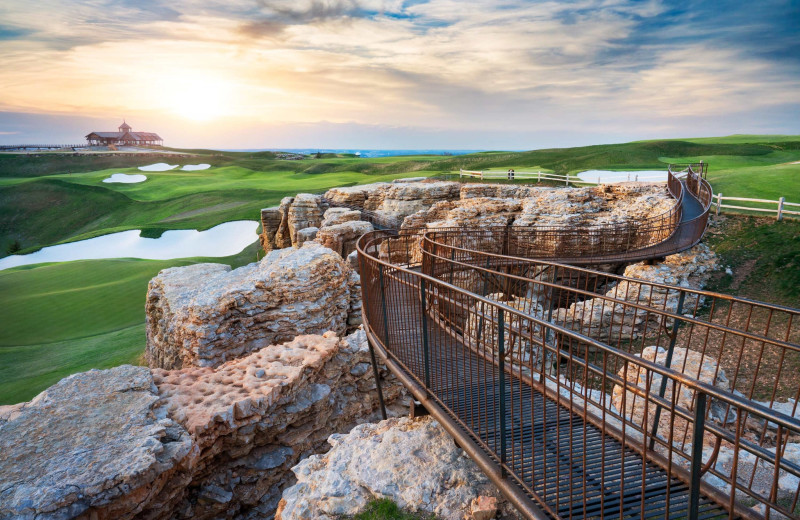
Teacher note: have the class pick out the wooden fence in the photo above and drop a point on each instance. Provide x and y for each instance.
(538, 176)
(780, 210)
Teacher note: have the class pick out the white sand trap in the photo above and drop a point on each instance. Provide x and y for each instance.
(124, 178)
(222, 240)
(609, 177)
(194, 167)
(158, 167)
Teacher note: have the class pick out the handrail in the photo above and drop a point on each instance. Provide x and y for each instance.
(449, 310)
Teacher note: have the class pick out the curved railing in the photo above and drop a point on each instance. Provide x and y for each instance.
(586, 394)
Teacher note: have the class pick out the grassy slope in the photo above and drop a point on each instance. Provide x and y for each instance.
(64, 318)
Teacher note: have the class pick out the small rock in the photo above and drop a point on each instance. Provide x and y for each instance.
(483, 508)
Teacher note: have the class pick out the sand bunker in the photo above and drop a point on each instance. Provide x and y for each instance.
(124, 178)
(222, 240)
(193, 167)
(158, 167)
(609, 177)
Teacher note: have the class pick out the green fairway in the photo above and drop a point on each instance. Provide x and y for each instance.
(63, 318)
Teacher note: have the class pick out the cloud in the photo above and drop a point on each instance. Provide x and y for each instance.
(485, 65)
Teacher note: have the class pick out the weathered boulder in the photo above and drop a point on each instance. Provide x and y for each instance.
(413, 462)
(95, 444)
(690, 268)
(206, 314)
(304, 212)
(196, 443)
(403, 199)
(339, 215)
(694, 364)
(283, 238)
(365, 196)
(270, 222)
(342, 238)
(306, 235)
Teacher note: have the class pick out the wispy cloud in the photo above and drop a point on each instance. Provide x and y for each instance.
(441, 65)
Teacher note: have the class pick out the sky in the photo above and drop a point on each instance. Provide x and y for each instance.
(482, 74)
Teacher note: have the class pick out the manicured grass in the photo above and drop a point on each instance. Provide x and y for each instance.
(63, 318)
(385, 509)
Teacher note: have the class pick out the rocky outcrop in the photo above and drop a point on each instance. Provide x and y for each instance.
(195, 443)
(306, 235)
(694, 364)
(270, 222)
(342, 238)
(339, 215)
(96, 444)
(283, 237)
(690, 268)
(304, 212)
(413, 462)
(206, 314)
(403, 199)
(366, 196)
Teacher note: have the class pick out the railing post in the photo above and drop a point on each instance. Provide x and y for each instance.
(383, 306)
(375, 371)
(780, 208)
(425, 352)
(719, 202)
(673, 338)
(697, 455)
(501, 352)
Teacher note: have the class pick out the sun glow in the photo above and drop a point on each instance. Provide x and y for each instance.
(201, 99)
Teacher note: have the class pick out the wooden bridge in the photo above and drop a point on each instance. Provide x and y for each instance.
(535, 367)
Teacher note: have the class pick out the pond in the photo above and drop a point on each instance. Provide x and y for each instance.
(222, 240)
(610, 177)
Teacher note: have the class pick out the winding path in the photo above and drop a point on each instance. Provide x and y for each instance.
(549, 405)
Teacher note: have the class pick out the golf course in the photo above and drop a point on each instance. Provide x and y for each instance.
(66, 317)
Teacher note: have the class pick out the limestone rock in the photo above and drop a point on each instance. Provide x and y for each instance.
(206, 314)
(413, 462)
(283, 238)
(270, 222)
(339, 215)
(342, 238)
(306, 235)
(690, 268)
(483, 508)
(95, 443)
(403, 199)
(304, 212)
(694, 364)
(365, 196)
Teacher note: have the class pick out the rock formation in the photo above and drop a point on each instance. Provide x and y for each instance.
(690, 268)
(413, 462)
(339, 215)
(206, 314)
(342, 238)
(694, 364)
(197, 443)
(270, 222)
(94, 443)
(304, 212)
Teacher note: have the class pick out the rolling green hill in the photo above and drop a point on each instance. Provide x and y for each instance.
(63, 318)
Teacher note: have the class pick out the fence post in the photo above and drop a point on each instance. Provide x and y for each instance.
(780, 208)
(481, 174)
(719, 201)
(539, 176)
(501, 351)
(697, 455)
(667, 362)
(425, 352)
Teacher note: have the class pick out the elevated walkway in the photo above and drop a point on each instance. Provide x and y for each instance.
(559, 409)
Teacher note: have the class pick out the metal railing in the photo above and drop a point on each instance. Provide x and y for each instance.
(586, 394)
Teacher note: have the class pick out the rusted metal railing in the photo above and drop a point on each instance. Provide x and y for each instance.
(582, 393)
